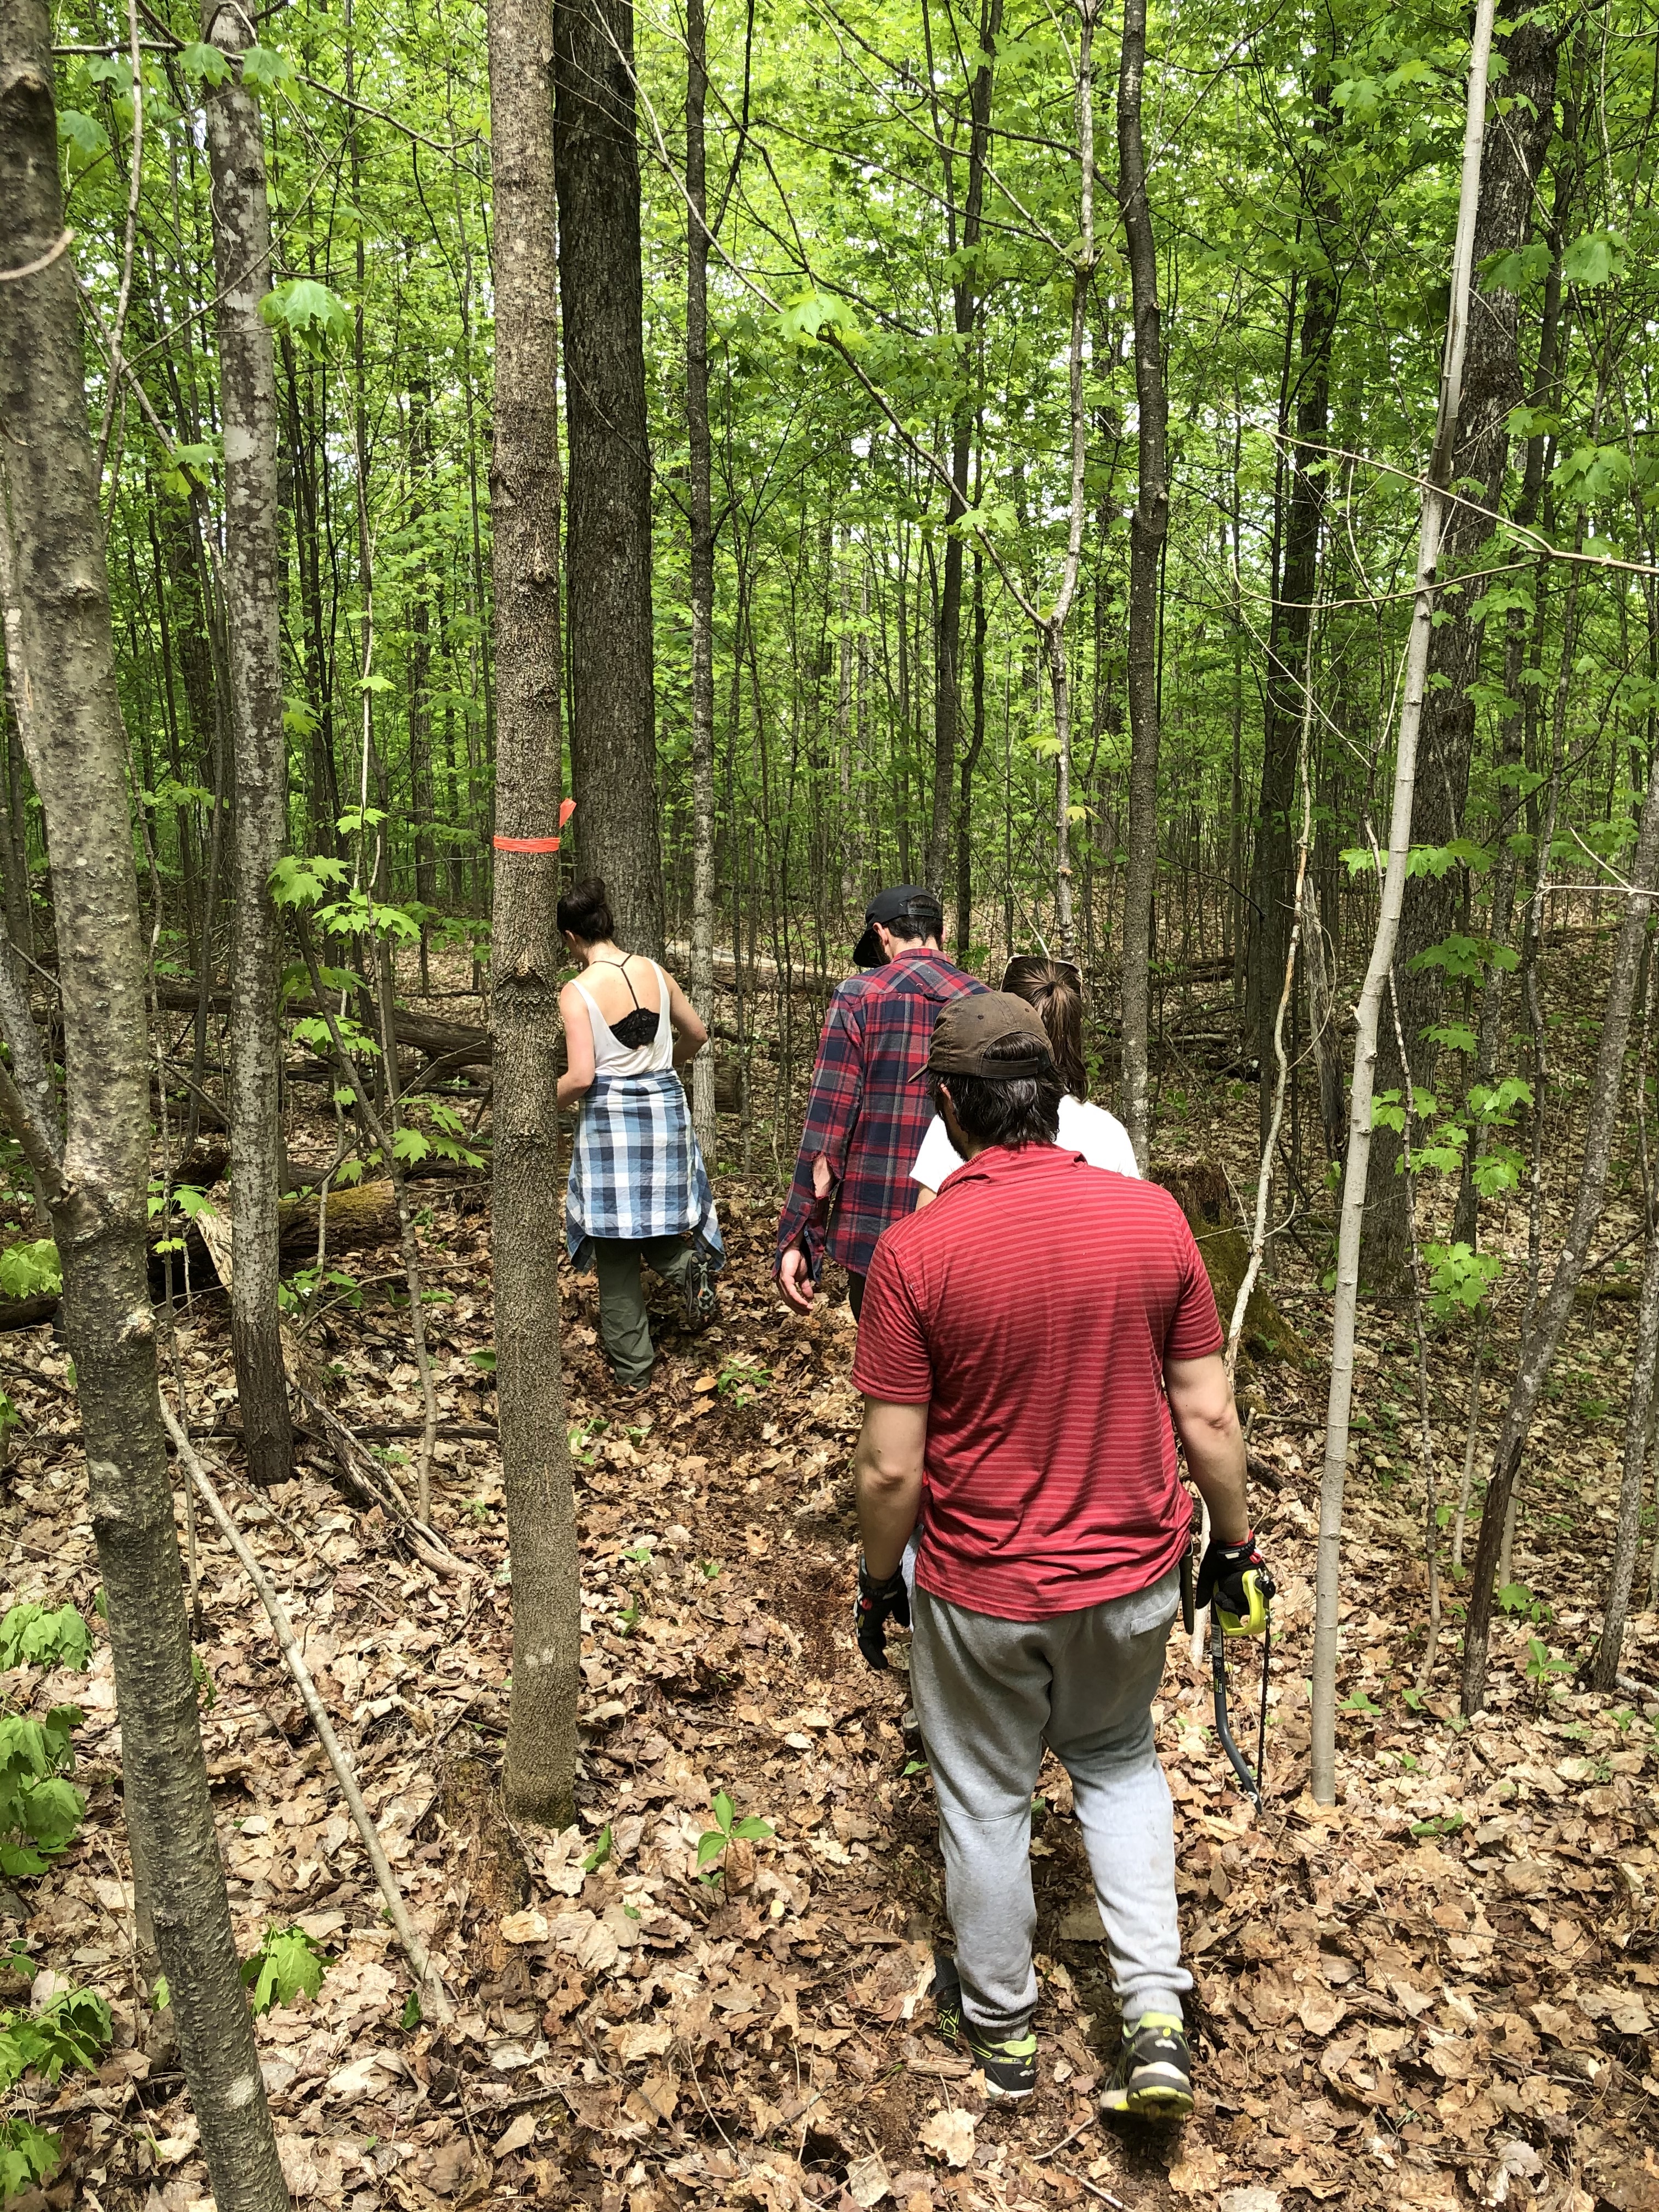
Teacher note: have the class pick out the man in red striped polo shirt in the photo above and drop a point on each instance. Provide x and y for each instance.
(1024, 1343)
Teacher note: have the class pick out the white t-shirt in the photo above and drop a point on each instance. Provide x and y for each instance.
(1099, 1136)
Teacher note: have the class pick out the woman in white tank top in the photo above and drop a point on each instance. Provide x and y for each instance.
(638, 1189)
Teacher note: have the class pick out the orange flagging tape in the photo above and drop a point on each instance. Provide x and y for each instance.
(567, 808)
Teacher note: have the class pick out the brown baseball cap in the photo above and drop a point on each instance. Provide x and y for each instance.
(969, 1028)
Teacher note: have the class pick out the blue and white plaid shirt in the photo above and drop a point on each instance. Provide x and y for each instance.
(636, 1169)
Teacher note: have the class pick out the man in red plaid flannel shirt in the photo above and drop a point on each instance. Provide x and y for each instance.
(865, 1118)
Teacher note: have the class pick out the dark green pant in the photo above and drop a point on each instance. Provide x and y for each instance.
(624, 1329)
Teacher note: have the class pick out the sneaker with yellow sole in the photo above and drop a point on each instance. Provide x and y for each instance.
(1008, 2063)
(1153, 2076)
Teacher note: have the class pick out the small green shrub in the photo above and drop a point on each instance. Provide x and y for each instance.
(29, 2155)
(31, 1271)
(286, 1964)
(39, 1812)
(70, 2030)
(67, 2032)
(30, 1635)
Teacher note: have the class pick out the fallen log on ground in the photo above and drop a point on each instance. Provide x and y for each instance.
(421, 1032)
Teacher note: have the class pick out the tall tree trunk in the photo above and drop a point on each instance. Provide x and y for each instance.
(247, 386)
(1271, 888)
(1603, 1671)
(613, 744)
(526, 953)
(970, 762)
(703, 571)
(1147, 530)
(1357, 1165)
(947, 632)
(1516, 142)
(56, 611)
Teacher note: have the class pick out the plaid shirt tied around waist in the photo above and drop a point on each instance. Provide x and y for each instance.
(636, 1169)
(865, 1117)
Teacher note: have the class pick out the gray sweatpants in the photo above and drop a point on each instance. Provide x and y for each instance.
(988, 1694)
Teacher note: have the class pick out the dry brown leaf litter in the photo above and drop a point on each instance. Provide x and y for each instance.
(1444, 1992)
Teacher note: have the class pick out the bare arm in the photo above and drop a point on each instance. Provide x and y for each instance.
(1207, 1421)
(924, 1196)
(690, 1030)
(578, 1077)
(887, 1480)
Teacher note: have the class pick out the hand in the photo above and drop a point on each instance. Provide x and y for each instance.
(876, 1604)
(795, 1281)
(1221, 1576)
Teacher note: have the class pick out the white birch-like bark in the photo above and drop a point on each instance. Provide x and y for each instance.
(1345, 1316)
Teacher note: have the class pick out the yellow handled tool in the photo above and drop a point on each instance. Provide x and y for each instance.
(1257, 1622)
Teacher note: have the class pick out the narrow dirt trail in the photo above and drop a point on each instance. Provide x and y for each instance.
(1447, 1984)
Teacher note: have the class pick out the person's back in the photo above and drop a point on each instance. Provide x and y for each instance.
(628, 1001)
(1050, 1294)
(1027, 1341)
(865, 1115)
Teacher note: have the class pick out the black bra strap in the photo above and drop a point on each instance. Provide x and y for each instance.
(621, 966)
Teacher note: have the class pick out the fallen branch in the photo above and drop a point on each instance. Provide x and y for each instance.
(416, 1951)
(363, 1475)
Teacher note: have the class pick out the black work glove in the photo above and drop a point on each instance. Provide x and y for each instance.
(1221, 1575)
(876, 1604)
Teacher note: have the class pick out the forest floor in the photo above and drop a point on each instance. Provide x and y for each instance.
(1443, 1992)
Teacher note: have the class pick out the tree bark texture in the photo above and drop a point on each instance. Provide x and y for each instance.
(1270, 889)
(247, 384)
(613, 745)
(1516, 144)
(947, 632)
(1148, 527)
(527, 1211)
(702, 569)
(1603, 1669)
(58, 637)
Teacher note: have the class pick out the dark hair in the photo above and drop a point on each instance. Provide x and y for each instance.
(585, 911)
(1022, 1110)
(921, 918)
(1054, 988)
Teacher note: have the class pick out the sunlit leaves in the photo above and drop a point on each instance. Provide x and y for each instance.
(309, 311)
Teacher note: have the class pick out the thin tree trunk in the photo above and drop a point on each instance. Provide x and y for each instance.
(1516, 140)
(1539, 1343)
(1345, 1314)
(702, 573)
(248, 386)
(613, 744)
(1147, 532)
(1603, 1670)
(1306, 462)
(970, 762)
(525, 953)
(56, 614)
(947, 634)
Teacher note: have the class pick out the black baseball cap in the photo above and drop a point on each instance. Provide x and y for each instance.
(905, 902)
(970, 1028)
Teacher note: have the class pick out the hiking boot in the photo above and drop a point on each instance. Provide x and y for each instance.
(1153, 2076)
(1009, 2062)
(698, 1295)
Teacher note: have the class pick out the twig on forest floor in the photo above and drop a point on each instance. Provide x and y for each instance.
(1037, 2157)
(425, 1972)
(1104, 2195)
(360, 1469)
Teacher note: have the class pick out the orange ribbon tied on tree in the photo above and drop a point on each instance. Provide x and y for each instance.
(567, 808)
